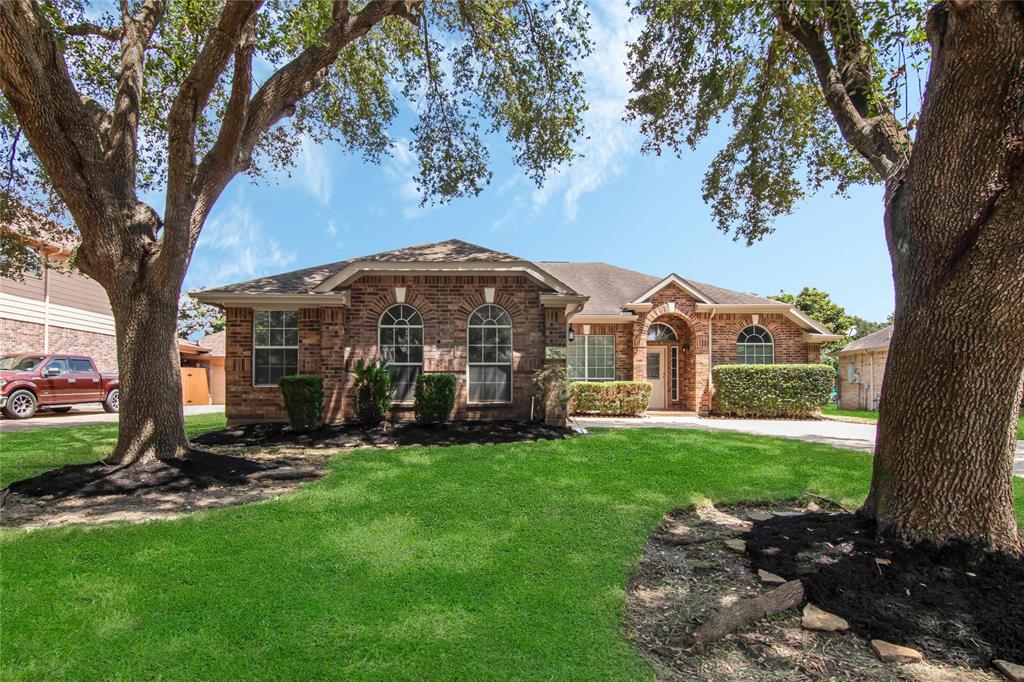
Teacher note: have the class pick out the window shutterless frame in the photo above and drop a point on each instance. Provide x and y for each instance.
(489, 345)
(755, 346)
(578, 357)
(400, 344)
(276, 335)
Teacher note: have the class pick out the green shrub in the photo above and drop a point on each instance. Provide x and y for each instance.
(553, 384)
(772, 390)
(373, 391)
(434, 398)
(610, 398)
(304, 399)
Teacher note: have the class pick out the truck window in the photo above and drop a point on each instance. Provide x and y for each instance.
(59, 363)
(81, 365)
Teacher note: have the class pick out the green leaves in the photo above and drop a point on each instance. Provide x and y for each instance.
(772, 390)
(698, 63)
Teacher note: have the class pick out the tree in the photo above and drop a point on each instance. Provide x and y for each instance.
(198, 319)
(819, 305)
(816, 87)
(184, 96)
(862, 327)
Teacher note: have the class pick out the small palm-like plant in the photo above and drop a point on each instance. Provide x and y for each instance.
(373, 390)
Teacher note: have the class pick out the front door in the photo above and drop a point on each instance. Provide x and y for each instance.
(656, 377)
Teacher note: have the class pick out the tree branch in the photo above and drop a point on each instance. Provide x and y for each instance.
(881, 140)
(124, 122)
(87, 28)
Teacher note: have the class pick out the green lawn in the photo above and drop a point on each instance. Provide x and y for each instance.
(465, 562)
(831, 409)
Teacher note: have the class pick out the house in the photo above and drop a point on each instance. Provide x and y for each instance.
(202, 370)
(861, 368)
(493, 319)
(56, 309)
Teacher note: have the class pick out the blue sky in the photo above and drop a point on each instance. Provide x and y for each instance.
(614, 205)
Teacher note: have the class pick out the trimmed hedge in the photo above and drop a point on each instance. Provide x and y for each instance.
(434, 398)
(773, 390)
(609, 398)
(304, 399)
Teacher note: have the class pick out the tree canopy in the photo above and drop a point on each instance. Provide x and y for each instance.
(818, 305)
(759, 66)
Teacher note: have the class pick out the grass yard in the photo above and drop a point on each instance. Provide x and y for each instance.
(465, 562)
(833, 410)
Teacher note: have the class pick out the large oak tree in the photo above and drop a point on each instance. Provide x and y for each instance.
(182, 96)
(817, 87)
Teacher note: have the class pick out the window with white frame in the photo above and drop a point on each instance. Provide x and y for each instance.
(591, 358)
(275, 346)
(659, 331)
(754, 346)
(401, 346)
(489, 341)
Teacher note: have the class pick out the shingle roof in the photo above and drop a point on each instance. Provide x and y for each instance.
(611, 287)
(306, 279)
(215, 342)
(879, 339)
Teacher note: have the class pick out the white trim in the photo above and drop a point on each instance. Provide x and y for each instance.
(604, 319)
(673, 278)
(789, 311)
(273, 301)
(586, 356)
(353, 270)
(297, 347)
(381, 327)
(511, 362)
(737, 343)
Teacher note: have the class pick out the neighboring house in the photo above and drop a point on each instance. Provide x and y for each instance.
(861, 368)
(56, 309)
(493, 319)
(202, 370)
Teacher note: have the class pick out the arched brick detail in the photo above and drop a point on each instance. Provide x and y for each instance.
(376, 306)
(696, 327)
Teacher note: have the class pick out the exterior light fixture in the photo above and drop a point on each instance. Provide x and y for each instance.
(571, 335)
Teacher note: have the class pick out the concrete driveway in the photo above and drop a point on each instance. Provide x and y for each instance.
(80, 416)
(838, 434)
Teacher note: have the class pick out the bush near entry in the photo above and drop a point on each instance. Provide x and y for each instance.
(434, 398)
(609, 398)
(772, 390)
(304, 399)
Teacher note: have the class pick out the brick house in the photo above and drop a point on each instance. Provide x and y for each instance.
(861, 368)
(493, 319)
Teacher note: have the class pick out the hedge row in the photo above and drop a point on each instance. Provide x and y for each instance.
(609, 398)
(772, 390)
(434, 398)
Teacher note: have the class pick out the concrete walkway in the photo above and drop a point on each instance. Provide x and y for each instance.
(838, 434)
(81, 416)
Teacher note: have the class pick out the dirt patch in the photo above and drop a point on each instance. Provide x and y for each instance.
(955, 605)
(99, 493)
(385, 435)
(687, 574)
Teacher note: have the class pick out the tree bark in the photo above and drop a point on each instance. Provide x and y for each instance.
(955, 227)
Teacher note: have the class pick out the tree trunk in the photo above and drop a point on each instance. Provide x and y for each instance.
(152, 420)
(955, 225)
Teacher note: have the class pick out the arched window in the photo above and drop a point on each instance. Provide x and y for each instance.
(754, 346)
(401, 346)
(659, 331)
(489, 336)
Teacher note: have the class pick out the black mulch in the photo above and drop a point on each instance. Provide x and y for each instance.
(952, 604)
(405, 433)
(194, 471)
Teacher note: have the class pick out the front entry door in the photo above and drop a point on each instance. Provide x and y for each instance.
(656, 377)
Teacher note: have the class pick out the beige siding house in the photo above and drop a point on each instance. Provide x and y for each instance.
(56, 309)
(861, 368)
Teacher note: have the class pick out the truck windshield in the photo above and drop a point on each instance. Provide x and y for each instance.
(24, 363)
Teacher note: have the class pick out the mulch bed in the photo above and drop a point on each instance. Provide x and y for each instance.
(687, 576)
(385, 435)
(952, 605)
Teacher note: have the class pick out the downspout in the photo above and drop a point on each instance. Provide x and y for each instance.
(711, 355)
(871, 390)
(46, 304)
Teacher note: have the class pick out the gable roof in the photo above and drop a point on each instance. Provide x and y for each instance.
(611, 287)
(873, 341)
(215, 342)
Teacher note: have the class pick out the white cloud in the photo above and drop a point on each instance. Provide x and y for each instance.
(233, 246)
(401, 169)
(314, 171)
(608, 137)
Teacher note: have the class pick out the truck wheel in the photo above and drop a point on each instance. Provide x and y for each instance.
(113, 401)
(20, 405)
(60, 410)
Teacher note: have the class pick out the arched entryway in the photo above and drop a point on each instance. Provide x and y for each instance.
(666, 357)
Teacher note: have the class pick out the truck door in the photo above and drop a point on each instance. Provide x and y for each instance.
(53, 383)
(84, 381)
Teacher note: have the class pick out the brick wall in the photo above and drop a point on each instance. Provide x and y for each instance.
(623, 334)
(27, 337)
(787, 335)
(865, 394)
(332, 339)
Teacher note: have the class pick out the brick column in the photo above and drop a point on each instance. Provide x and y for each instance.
(333, 362)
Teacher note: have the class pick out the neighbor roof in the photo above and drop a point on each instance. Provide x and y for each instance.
(305, 280)
(215, 342)
(611, 287)
(879, 339)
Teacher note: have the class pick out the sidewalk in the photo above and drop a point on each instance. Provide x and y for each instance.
(80, 416)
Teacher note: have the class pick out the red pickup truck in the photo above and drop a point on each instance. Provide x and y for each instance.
(55, 382)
